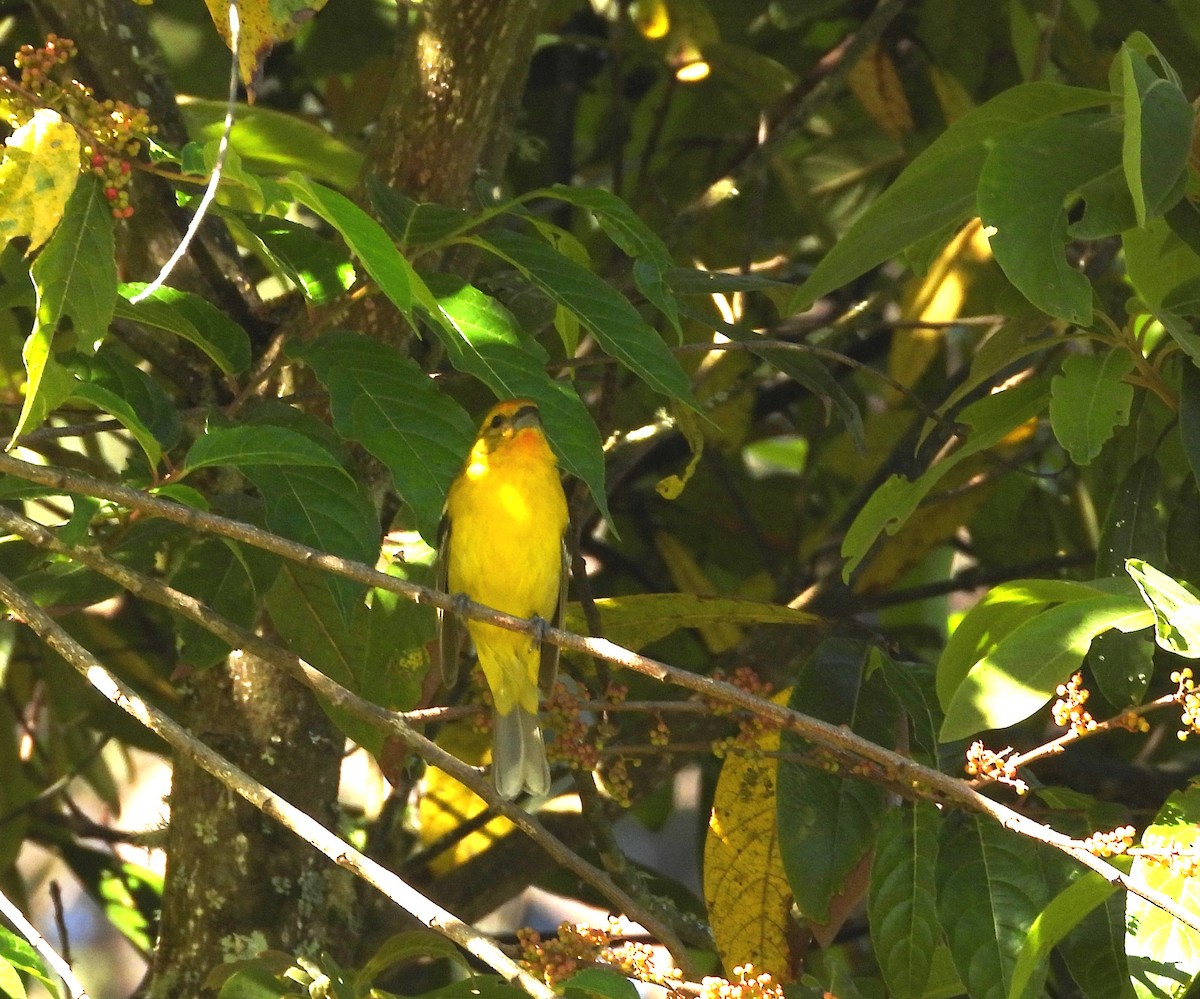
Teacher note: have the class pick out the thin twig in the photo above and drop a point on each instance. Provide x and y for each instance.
(39, 943)
(264, 799)
(894, 770)
(210, 192)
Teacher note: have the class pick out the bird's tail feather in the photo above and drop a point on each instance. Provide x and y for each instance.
(518, 754)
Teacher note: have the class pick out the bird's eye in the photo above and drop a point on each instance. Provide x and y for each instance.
(497, 421)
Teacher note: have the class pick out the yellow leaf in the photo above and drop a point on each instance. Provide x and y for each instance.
(446, 804)
(689, 424)
(875, 83)
(951, 95)
(745, 888)
(637, 620)
(651, 17)
(938, 297)
(263, 24)
(38, 174)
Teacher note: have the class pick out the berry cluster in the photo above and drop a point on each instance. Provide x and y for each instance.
(1069, 711)
(753, 728)
(1109, 844)
(577, 741)
(580, 946)
(983, 762)
(1181, 861)
(1188, 699)
(747, 985)
(114, 130)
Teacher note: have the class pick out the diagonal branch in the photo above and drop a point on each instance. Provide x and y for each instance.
(386, 722)
(39, 943)
(265, 800)
(890, 768)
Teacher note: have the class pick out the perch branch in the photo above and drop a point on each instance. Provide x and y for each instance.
(386, 722)
(40, 944)
(265, 800)
(892, 769)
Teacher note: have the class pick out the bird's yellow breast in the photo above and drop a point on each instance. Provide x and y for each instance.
(507, 517)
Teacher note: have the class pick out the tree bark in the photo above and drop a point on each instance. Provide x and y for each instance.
(237, 882)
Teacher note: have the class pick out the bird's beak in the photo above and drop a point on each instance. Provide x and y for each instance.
(526, 417)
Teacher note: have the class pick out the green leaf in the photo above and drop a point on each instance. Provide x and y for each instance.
(692, 281)
(412, 223)
(405, 947)
(990, 891)
(230, 579)
(1122, 664)
(1022, 669)
(365, 237)
(483, 338)
(1024, 191)
(605, 312)
(1002, 610)
(913, 685)
(1089, 400)
(319, 268)
(1158, 128)
(191, 317)
(108, 401)
(10, 981)
(318, 506)
(377, 651)
(1052, 924)
(1164, 954)
(937, 190)
(18, 956)
(989, 420)
(638, 619)
(260, 444)
(117, 388)
(387, 403)
(625, 228)
(826, 823)
(255, 981)
(1176, 608)
(600, 983)
(75, 276)
(905, 932)
(275, 142)
(1189, 416)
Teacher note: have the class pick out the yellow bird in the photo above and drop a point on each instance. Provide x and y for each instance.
(501, 544)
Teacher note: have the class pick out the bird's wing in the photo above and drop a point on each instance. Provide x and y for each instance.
(450, 634)
(548, 669)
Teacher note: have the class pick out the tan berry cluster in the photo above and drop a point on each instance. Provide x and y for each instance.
(753, 728)
(1188, 699)
(983, 762)
(1182, 861)
(1110, 844)
(580, 946)
(577, 741)
(1069, 711)
(115, 129)
(746, 985)
(1131, 721)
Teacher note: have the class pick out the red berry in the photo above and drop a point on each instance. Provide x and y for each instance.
(97, 160)
(125, 166)
(110, 193)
